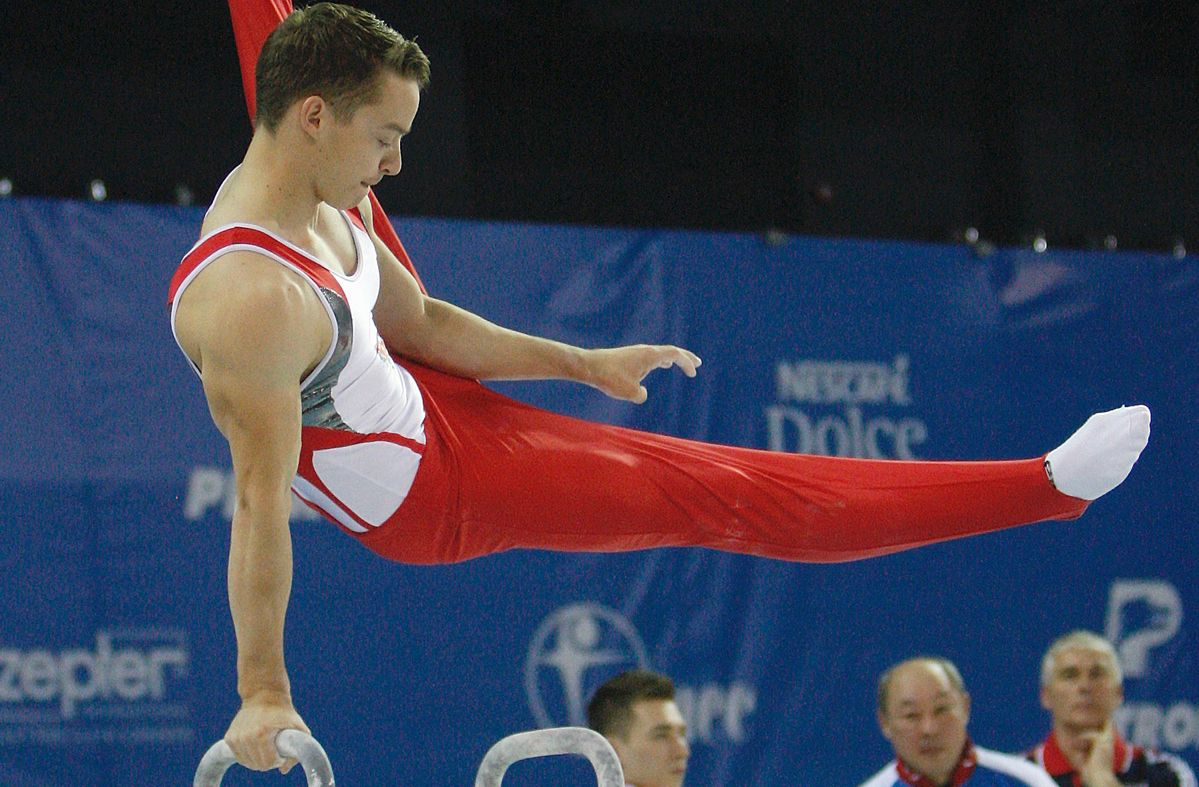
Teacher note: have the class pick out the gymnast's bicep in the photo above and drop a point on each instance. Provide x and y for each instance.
(260, 419)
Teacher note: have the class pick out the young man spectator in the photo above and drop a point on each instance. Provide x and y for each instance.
(636, 712)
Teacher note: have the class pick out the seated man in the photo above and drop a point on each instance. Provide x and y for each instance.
(1081, 687)
(636, 712)
(923, 709)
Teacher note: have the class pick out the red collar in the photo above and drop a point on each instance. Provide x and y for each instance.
(966, 765)
(1055, 761)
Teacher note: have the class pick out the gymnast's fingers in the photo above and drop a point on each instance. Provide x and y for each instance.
(686, 360)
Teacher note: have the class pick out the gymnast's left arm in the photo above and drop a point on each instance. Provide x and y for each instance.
(446, 337)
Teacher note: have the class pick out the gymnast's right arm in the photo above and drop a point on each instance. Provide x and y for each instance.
(248, 324)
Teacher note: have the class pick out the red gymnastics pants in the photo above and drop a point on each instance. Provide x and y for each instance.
(497, 474)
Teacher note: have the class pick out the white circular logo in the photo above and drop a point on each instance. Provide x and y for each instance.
(564, 654)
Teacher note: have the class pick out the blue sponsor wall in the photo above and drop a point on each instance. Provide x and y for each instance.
(116, 659)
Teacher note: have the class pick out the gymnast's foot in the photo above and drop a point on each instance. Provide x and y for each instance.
(1100, 454)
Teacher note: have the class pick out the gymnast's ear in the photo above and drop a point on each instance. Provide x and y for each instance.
(313, 113)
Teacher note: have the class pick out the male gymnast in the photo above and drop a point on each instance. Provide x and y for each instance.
(332, 374)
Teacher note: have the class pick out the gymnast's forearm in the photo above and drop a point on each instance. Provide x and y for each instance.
(456, 341)
(260, 573)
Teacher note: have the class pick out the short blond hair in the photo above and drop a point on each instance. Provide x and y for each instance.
(1081, 640)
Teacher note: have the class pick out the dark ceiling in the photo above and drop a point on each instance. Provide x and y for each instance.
(870, 119)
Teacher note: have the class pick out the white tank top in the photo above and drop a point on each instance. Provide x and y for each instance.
(356, 388)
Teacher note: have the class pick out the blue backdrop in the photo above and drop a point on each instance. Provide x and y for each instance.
(116, 660)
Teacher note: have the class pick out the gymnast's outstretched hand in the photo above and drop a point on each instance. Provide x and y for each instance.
(618, 371)
(252, 733)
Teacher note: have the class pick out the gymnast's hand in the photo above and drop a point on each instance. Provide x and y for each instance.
(252, 733)
(618, 371)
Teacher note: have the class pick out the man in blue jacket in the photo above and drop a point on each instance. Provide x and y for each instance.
(923, 709)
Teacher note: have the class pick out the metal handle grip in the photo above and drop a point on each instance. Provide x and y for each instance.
(544, 743)
(289, 743)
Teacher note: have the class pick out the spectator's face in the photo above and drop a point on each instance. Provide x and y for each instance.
(1082, 692)
(654, 752)
(925, 719)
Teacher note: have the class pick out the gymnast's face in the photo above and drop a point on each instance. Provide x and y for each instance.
(653, 752)
(925, 719)
(352, 154)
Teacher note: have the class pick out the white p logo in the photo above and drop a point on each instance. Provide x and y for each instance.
(1162, 622)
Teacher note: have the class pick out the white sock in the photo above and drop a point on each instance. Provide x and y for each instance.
(1100, 454)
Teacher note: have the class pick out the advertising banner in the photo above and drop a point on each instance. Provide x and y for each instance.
(116, 494)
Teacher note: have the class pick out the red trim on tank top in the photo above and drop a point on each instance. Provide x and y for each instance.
(250, 236)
